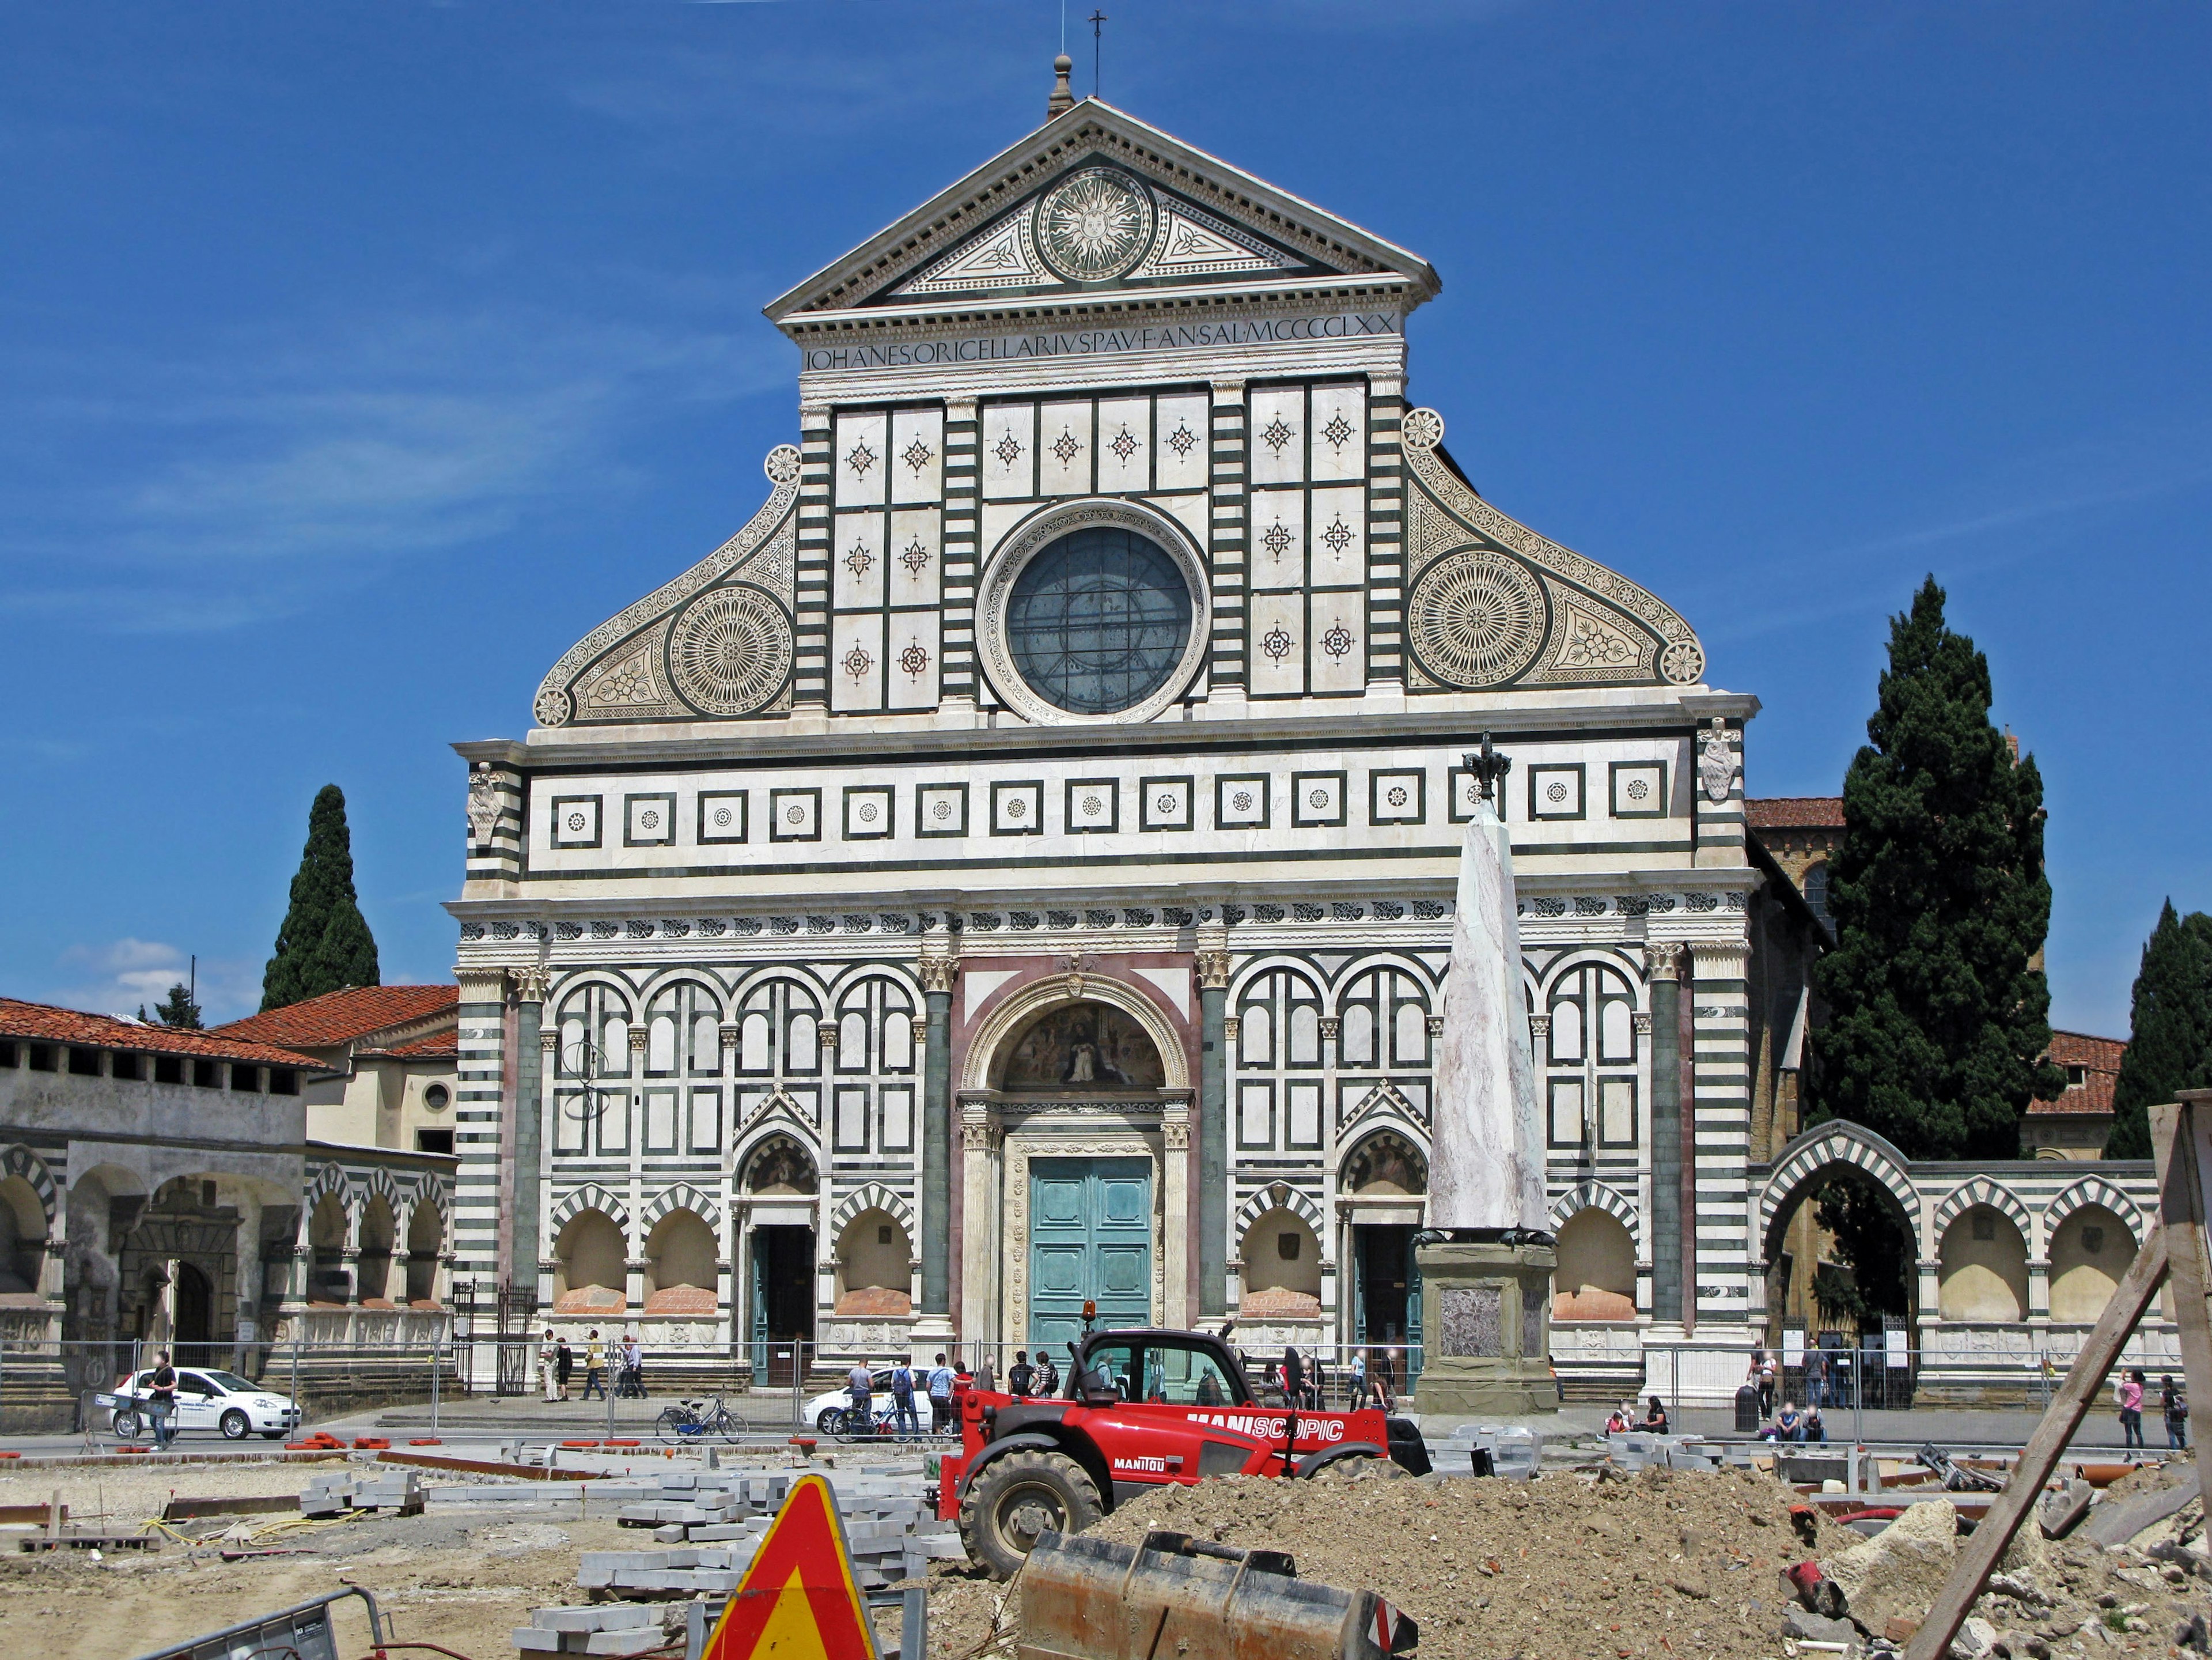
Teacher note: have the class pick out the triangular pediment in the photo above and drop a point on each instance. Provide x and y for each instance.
(1096, 201)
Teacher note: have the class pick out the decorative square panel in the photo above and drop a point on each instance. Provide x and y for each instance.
(1338, 432)
(913, 563)
(1275, 434)
(917, 455)
(1397, 798)
(575, 821)
(1240, 801)
(941, 810)
(856, 561)
(1017, 807)
(648, 821)
(1064, 453)
(1182, 443)
(1164, 804)
(911, 658)
(860, 457)
(1317, 798)
(1336, 648)
(721, 816)
(1275, 645)
(1094, 806)
(1638, 789)
(1276, 549)
(1007, 452)
(1336, 539)
(1124, 444)
(868, 813)
(1555, 790)
(794, 815)
(856, 662)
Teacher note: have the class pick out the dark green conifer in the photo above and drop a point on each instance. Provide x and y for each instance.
(177, 1009)
(325, 944)
(2170, 1035)
(1938, 1023)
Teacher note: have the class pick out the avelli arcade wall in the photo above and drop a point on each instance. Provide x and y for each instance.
(1016, 865)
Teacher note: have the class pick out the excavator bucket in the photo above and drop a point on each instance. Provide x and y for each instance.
(1085, 1598)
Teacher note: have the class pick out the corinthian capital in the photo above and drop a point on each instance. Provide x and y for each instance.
(1661, 958)
(1212, 970)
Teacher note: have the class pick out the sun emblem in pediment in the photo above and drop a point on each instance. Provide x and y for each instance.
(1095, 225)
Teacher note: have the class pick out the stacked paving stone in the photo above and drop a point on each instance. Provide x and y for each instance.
(602, 1628)
(340, 1490)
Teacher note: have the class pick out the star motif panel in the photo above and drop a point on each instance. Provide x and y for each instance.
(858, 450)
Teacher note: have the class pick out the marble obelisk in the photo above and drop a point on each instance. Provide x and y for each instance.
(1486, 1258)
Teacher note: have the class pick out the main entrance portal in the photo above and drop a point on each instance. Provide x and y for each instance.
(1091, 1238)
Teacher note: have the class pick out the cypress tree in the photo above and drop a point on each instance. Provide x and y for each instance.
(2170, 1035)
(1937, 1022)
(177, 1009)
(325, 944)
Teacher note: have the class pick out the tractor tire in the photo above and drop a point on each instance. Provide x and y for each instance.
(1019, 1497)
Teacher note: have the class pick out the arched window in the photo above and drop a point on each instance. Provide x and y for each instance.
(682, 1043)
(1279, 1082)
(779, 1046)
(591, 1119)
(1385, 1015)
(873, 1100)
(1816, 890)
(1589, 1060)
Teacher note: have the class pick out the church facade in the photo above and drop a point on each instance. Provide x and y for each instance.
(1015, 868)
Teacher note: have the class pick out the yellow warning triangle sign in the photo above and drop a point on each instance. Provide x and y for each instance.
(799, 1601)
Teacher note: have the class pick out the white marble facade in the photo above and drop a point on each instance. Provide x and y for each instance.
(769, 911)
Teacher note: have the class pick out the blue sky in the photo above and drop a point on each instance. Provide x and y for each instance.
(356, 359)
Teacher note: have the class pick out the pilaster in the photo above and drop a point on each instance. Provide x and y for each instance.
(1386, 555)
(1229, 552)
(937, 971)
(1720, 1025)
(528, 1118)
(963, 559)
(1213, 964)
(1669, 1301)
(811, 631)
(478, 1199)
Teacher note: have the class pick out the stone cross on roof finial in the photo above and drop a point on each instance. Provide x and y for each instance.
(1488, 767)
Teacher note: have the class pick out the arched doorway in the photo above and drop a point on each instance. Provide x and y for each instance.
(193, 1334)
(778, 1183)
(1839, 1227)
(1384, 1182)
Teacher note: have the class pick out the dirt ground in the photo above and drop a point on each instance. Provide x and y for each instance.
(464, 1578)
(1672, 1566)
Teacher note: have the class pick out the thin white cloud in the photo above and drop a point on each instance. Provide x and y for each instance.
(121, 976)
(287, 463)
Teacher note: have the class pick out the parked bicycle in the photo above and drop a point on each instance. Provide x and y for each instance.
(693, 1420)
(878, 1424)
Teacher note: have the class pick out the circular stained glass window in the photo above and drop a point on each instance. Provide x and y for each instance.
(1099, 620)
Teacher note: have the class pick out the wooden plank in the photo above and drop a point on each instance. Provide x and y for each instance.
(2181, 1139)
(2137, 1287)
(37, 1515)
(487, 1466)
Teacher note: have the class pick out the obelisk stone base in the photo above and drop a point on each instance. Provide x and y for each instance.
(1486, 1331)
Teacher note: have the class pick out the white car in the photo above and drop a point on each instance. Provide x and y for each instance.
(823, 1409)
(205, 1401)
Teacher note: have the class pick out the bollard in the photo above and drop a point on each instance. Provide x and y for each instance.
(434, 1388)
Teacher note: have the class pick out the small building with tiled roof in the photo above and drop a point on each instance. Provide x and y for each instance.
(2075, 1126)
(209, 1192)
(390, 1055)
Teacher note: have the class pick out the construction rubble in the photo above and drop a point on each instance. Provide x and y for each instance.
(1665, 1562)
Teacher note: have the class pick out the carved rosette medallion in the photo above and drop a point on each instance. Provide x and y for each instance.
(1095, 225)
(1476, 619)
(729, 650)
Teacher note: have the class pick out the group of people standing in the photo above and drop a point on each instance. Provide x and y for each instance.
(1370, 1376)
(2173, 1408)
(556, 1365)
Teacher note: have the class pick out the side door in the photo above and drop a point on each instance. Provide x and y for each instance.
(1153, 1436)
(197, 1402)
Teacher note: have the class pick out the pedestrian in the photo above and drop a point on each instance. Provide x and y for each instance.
(564, 1366)
(595, 1365)
(904, 1419)
(632, 1368)
(941, 1381)
(1623, 1419)
(2131, 1395)
(1359, 1380)
(1816, 1377)
(1046, 1376)
(986, 1378)
(1790, 1423)
(1021, 1377)
(162, 1398)
(1385, 1375)
(2174, 1406)
(1294, 1377)
(1317, 1385)
(1767, 1378)
(1810, 1428)
(1655, 1419)
(548, 1359)
(860, 1385)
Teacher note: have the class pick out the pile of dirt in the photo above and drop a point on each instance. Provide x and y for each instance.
(1670, 1565)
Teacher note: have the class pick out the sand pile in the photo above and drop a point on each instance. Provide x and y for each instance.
(1671, 1565)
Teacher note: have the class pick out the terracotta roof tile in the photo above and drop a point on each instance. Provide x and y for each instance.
(438, 1046)
(339, 1017)
(2099, 1061)
(1794, 813)
(44, 1022)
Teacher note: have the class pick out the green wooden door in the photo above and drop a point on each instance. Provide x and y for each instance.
(1090, 1237)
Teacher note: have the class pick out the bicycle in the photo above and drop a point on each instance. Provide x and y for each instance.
(876, 1424)
(691, 1420)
